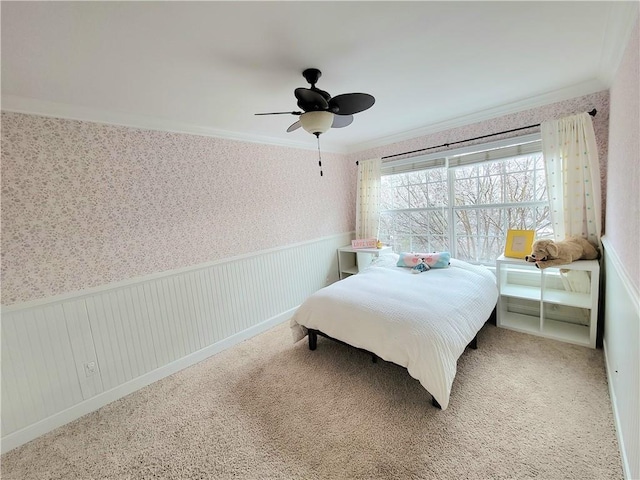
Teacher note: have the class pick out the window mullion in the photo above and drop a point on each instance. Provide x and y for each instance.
(450, 209)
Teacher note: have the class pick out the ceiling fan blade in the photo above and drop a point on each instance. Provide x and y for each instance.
(294, 126)
(325, 95)
(279, 113)
(310, 100)
(350, 103)
(340, 121)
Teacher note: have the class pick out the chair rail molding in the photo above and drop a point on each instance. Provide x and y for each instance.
(68, 355)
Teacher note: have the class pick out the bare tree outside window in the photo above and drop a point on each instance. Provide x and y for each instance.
(465, 210)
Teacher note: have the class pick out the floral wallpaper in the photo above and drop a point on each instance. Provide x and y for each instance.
(85, 204)
(623, 187)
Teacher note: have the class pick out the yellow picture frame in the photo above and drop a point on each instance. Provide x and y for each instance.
(519, 243)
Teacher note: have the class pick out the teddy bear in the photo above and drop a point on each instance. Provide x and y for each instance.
(547, 253)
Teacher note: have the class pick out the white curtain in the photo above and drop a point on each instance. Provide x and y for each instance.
(573, 177)
(573, 183)
(368, 198)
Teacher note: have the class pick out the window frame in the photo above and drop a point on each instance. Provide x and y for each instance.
(475, 155)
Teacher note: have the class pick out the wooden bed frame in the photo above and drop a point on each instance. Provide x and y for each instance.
(313, 344)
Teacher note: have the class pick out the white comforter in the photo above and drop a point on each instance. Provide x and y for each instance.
(420, 321)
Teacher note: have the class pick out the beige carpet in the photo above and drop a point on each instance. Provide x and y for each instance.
(521, 407)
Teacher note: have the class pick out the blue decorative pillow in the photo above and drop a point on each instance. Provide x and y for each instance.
(433, 260)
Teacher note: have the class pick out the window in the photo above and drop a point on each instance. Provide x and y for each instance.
(466, 201)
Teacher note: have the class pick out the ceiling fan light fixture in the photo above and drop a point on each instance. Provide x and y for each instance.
(316, 123)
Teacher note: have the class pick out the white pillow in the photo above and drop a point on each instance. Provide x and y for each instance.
(386, 260)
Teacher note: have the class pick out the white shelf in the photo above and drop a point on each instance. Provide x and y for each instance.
(563, 331)
(374, 251)
(555, 304)
(587, 265)
(567, 332)
(521, 291)
(572, 299)
(520, 322)
(350, 270)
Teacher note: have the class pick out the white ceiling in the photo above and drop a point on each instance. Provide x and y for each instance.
(207, 67)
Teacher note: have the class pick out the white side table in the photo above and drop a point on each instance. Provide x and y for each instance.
(349, 258)
(541, 303)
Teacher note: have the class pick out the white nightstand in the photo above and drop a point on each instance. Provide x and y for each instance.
(350, 258)
(542, 302)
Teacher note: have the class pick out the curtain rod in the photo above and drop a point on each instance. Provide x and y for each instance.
(592, 113)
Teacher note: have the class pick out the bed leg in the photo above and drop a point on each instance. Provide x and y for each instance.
(474, 343)
(313, 339)
(435, 403)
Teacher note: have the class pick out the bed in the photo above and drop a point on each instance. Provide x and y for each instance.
(422, 322)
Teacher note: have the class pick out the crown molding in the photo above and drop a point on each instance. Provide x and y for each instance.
(31, 106)
(17, 104)
(578, 90)
(618, 29)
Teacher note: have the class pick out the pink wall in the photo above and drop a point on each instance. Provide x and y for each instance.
(623, 175)
(84, 204)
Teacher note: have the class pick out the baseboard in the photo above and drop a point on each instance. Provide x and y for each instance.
(65, 356)
(20, 437)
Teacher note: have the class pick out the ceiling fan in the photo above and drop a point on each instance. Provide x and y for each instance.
(321, 111)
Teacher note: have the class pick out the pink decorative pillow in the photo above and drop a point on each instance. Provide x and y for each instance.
(434, 260)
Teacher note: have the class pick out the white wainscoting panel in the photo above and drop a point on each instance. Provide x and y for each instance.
(39, 376)
(621, 346)
(138, 331)
(81, 339)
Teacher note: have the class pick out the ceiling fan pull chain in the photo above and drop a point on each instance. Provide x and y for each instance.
(319, 155)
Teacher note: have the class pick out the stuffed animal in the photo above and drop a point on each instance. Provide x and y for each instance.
(422, 266)
(547, 253)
